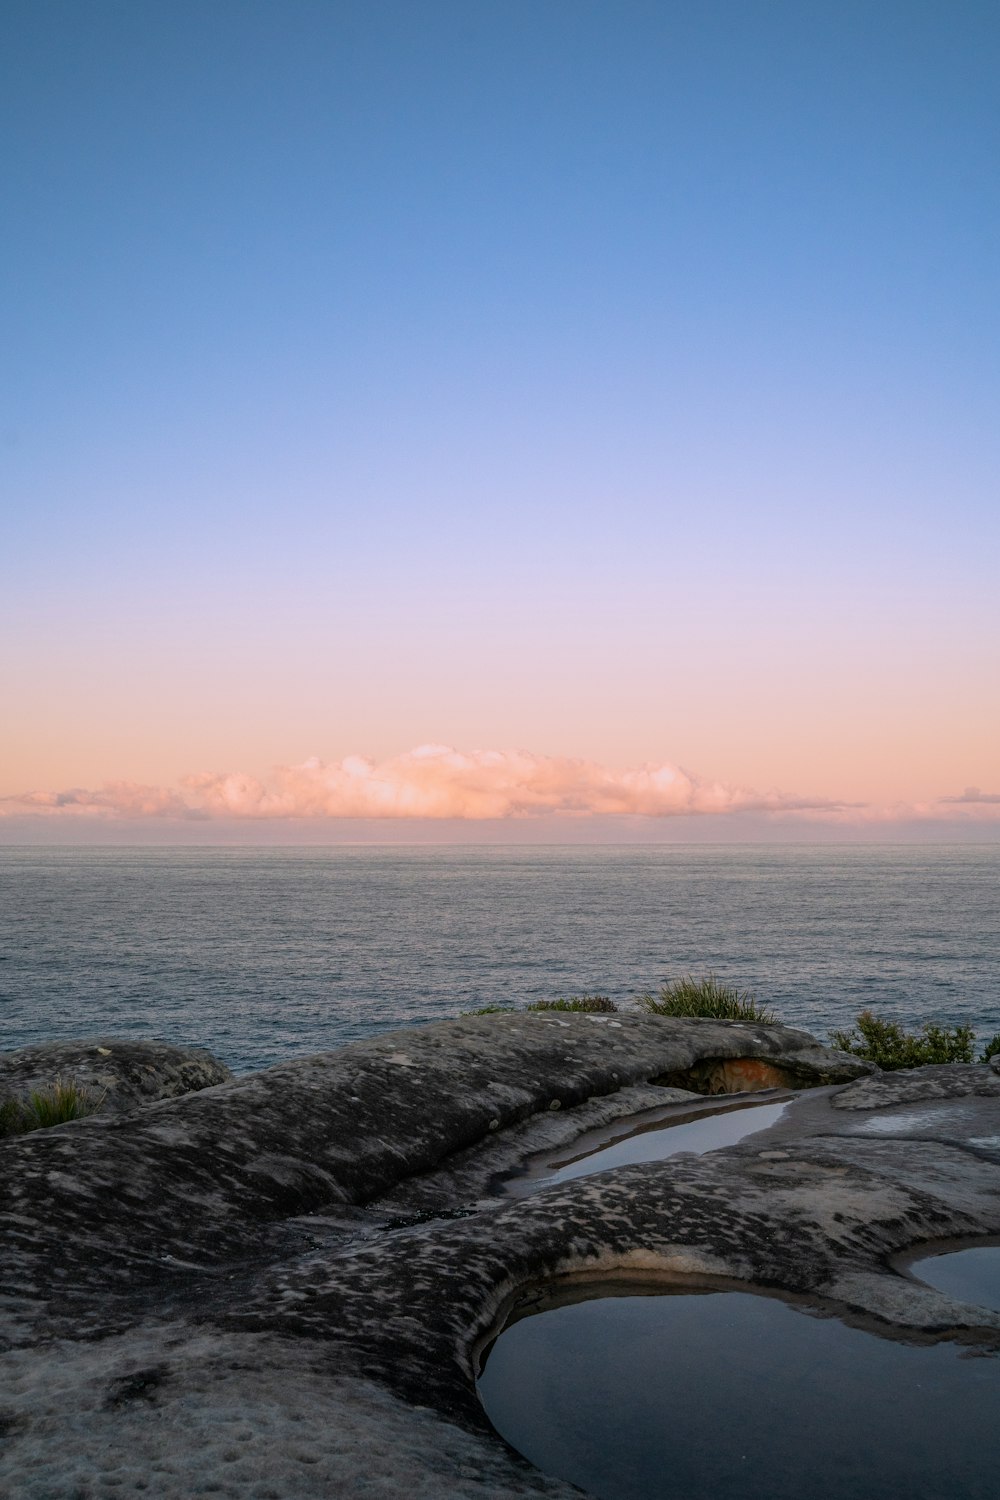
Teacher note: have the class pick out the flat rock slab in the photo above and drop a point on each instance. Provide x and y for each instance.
(280, 1286)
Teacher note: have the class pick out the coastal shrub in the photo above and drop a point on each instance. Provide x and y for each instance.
(56, 1105)
(488, 1010)
(991, 1049)
(591, 1003)
(707, 997)
(886, 1044)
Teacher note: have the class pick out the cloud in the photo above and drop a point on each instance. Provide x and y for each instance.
(436, 781)
(439, 782)
(432, 781)
(121, 799)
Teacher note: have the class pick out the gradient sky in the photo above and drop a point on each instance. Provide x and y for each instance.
(609, 381)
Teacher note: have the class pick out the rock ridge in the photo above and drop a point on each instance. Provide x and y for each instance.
(221, 1293)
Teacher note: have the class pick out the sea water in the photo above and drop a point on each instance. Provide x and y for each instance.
(265, 954)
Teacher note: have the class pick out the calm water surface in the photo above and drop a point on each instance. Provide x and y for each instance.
(741, 1397)
(262, 954)
(971, 1275)
(663, 1133)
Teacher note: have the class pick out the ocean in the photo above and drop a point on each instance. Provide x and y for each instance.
(265, 954)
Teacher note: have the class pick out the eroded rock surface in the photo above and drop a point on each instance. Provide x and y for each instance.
(123, 1075)
(911, 1086)
(249, 1273)
(218, 1174)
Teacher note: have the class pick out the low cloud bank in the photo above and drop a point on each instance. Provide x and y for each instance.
(116, 799)
(433, 781)
(439, 782)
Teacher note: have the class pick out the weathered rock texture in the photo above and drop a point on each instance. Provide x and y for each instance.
(237, 1292)
(120, 1074)
(218, 1174)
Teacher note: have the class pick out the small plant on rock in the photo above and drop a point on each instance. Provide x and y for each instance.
(592, 1004)
(61, 1102)
(991, 1049)
(707, 997)
(886, 1044)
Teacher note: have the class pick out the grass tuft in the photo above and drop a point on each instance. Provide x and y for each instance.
(886, 1044)
(61, 1102)
(707, 997)
(592, 1004)
(489, 1010)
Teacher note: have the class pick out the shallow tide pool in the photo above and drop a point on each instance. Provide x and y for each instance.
(718, 1395)
(970, 1275)
(653, 1136)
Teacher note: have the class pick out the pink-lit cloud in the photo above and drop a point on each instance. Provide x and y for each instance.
(116, 799)
(432, 781)
(438, 782)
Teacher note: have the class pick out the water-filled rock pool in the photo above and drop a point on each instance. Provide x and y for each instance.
(654, 1136)
(971, 1274)
(727, 1395)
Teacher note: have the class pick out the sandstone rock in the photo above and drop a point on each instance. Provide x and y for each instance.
(226, 1273)
(123, 1074)
(912, 1085)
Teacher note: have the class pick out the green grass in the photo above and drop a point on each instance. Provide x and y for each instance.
(489, 1010)
(592, 1004)
(991, 1049)
(886, 1044)
(707, 997)
(56, 1105)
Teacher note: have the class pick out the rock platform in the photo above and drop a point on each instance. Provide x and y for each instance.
(279, 1285)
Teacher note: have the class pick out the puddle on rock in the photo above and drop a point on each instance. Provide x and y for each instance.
(932, 1119)
(653, 1136)
(719, 1395)
(970, 1275)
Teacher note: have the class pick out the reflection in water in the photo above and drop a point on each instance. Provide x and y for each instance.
(670, 1130)
(731, 1396)
(967, 1275)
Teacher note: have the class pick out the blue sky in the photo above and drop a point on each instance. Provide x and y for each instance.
(585, 377)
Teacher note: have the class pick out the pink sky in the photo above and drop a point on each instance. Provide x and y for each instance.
(498, 794)
(612, 402)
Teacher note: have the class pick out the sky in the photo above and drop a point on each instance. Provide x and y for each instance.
(499, 419)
